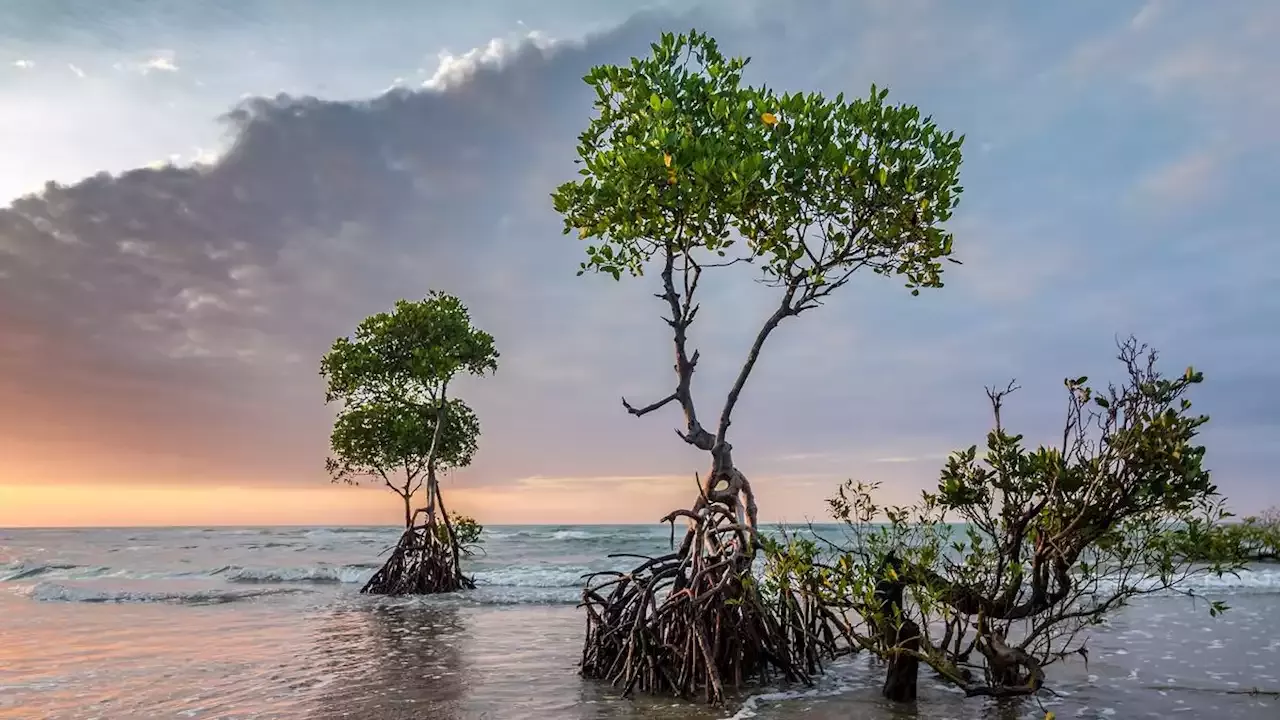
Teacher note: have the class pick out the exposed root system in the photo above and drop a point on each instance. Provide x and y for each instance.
(697, 622)
(425, 561)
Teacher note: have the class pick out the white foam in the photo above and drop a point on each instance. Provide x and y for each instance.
(12, 572)
(533, 576)
(345, 574)
(54, 592)
(751, 706)
(1256, 579)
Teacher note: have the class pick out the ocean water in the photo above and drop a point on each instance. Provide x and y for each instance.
(267, 623)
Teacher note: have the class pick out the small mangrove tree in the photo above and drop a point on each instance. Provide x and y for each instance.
(398, 426)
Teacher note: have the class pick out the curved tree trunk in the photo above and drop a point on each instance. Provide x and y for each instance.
(696, 621)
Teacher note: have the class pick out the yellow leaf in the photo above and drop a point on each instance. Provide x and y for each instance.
(671, 177)
(666, 159)
(582, 233)
(1049, 715)
(769, 118)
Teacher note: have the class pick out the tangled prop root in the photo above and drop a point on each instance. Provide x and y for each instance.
(697, 620)
(424, 562)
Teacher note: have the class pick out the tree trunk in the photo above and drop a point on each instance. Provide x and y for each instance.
(448, 527)
(903, 668)
(900, 637)
(695, 621)
(431, 495)
(408, 511)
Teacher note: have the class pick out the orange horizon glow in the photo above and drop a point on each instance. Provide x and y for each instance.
(529, 501)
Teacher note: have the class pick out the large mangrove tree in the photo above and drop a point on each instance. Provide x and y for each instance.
(687, 172)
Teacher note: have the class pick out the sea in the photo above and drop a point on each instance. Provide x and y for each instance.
(268, 623)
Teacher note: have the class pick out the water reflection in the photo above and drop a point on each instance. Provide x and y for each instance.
(392, 661)
(427, 660)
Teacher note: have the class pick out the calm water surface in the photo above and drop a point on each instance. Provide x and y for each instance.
(266, 623)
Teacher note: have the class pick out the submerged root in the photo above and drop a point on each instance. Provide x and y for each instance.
(424, 562)
(696, 621)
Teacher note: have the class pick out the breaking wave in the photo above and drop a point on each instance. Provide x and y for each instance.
(1257, 579)
(343, 574)
(522, 565)
(537, 576)
(13, 572)
(55, 592)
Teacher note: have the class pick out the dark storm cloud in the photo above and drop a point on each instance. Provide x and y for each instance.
(126, 293)
(153, 248)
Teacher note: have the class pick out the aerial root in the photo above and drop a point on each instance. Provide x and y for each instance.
(424, 562)
(697, 621)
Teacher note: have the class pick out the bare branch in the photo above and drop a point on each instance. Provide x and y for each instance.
(640, 412)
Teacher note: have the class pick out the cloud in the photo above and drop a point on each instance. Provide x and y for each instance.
(1148, 14)
(454, 70)
(1183, 183)
(163, 62)
(625, 483)
(907, 460)
(228, 274)
(1212, 63)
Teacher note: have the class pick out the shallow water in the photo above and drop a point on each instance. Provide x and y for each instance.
(266, 623)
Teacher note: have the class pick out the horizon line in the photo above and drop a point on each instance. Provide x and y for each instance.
(219, 526)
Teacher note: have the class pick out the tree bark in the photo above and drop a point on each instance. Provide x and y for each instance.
(903, 669)
(441, 417)
(899, 635)
(448, 526)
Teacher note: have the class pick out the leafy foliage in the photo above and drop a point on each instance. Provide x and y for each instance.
(682, 158)
(466, 531)
(1052, 540)
(408, 355)
(377, 438)
(1258, 535)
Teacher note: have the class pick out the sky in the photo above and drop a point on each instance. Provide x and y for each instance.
(195, 201)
